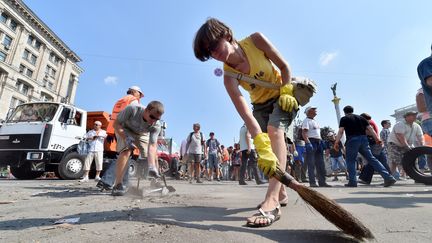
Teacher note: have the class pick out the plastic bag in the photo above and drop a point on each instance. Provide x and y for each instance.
(83, 147)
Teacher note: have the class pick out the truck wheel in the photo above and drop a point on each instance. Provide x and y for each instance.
(24, 172)
(71, 166)
(132, 168)
(409, 164)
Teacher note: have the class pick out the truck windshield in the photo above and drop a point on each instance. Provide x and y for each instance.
(33, 112)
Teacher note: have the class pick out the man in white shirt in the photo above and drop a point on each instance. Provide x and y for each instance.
(196, 149)
(402, 138)
(314, 148)
(95, 138)
(248, 156)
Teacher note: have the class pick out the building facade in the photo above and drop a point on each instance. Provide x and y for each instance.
(35, 64)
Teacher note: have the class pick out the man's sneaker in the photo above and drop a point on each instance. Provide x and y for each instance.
(103, 186)
(363, 182)
(260, 182)
(389, 182)
(84, 179)
(325, 185)
(350, 185)
(153, 173)
(242, 183)
(313, 185)
(118, 190)
(199, 180)
(97, 178)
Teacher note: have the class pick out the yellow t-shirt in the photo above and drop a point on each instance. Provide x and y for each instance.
(260, 68)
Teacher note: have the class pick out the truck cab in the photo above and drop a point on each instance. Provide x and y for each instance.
(43, 136)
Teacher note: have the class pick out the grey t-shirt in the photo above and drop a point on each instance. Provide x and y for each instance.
(194, 143)
(131, 119)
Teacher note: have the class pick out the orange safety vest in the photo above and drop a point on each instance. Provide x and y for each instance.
(118, 107)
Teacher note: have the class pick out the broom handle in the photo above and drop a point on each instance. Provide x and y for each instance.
(283, 177)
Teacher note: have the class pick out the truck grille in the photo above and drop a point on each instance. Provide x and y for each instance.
(19, 141)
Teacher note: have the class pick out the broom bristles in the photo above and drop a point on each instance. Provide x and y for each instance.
(330, 209)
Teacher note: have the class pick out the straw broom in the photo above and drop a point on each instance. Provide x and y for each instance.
(328, 208)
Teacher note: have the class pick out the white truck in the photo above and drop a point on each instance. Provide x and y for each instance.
(43, 136)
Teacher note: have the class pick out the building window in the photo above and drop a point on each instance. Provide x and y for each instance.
(30, 40)
(22, 87)
(35, 43)
(29, 73)
(46, 97)
(7, 41)
(15, 102)
(13, 25)
(54, 59)
(26, 71)
(2, 56)
(30, 57)
(6, 19)
(3, 17)
(50, 71)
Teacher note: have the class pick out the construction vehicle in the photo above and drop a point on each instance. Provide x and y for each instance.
(41, 137)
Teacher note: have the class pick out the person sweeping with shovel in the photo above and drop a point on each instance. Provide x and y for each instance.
(273, 111)
(137, 127)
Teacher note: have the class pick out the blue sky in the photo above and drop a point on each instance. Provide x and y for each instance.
(370, 48)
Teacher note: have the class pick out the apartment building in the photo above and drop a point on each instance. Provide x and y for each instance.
(35, 64)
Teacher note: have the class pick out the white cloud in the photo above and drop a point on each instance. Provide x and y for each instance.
(111, 80)
(327, 57)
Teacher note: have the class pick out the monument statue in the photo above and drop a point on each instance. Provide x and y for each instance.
(333, 88)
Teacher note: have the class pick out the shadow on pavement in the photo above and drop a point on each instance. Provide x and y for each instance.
(191, 218)
(66, 191)
(387, 202)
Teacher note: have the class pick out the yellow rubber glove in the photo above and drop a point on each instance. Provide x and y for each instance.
(286, 100)
(267, 160)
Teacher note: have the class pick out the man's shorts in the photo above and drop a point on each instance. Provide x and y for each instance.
(212, 161)
(141, 141)
(395, 153)
(97, 156)
(271, 114)
(194, 158)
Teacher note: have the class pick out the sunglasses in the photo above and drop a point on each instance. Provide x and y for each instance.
(153, 117)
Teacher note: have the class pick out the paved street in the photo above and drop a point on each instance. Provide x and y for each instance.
(209, 212)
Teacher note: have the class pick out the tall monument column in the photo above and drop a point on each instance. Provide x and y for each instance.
(335, 101)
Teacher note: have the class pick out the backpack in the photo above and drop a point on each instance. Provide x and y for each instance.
(208, 142)
(201, 136)
(304, 88)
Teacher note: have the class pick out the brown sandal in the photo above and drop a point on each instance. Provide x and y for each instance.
(270, 216)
